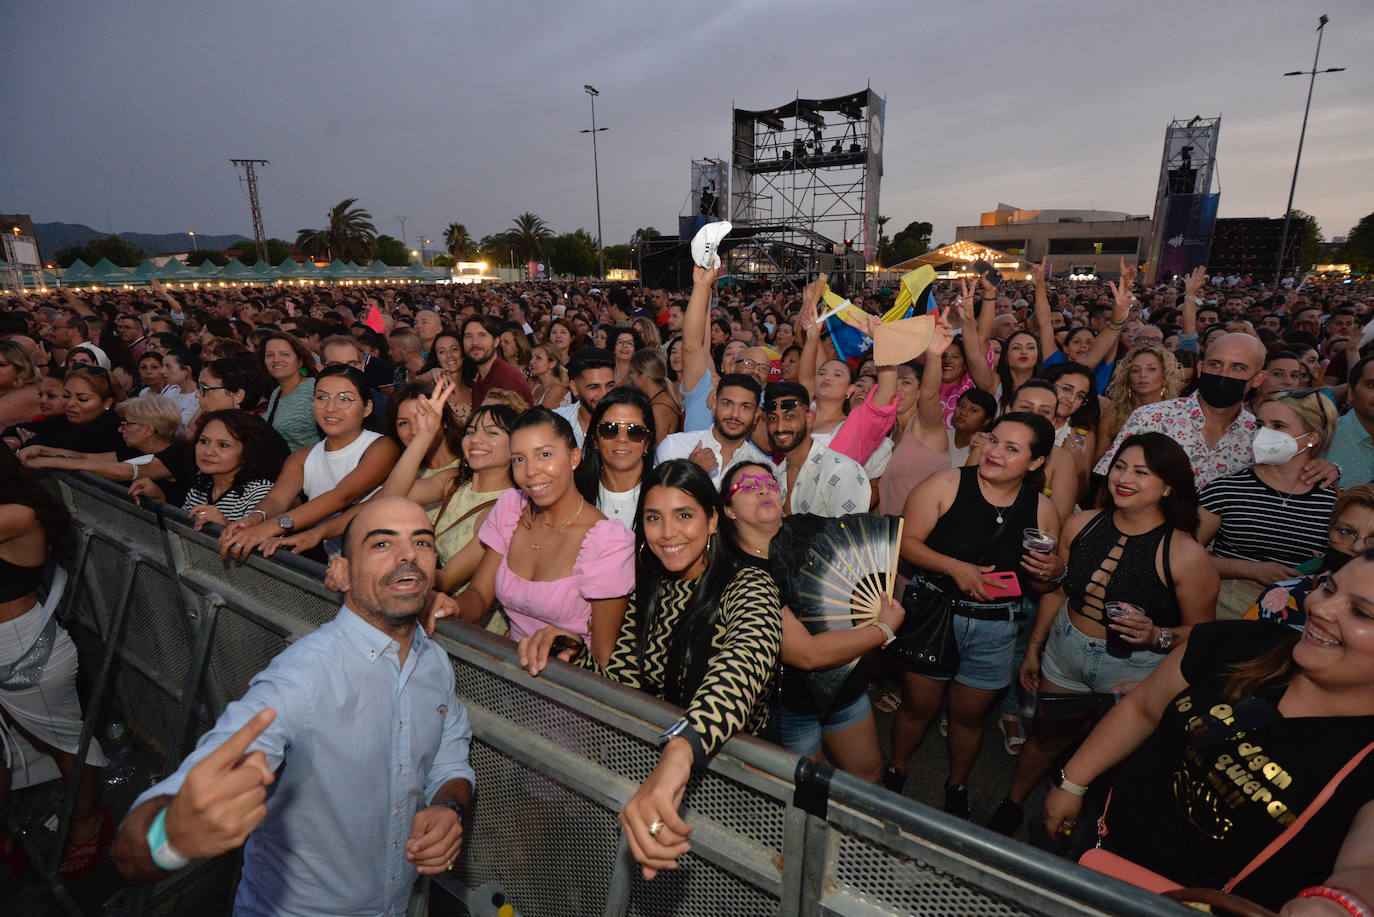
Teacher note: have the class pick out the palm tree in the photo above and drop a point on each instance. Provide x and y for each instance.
(457, 240)
(348, 237)
(644, 234)
(530, 232)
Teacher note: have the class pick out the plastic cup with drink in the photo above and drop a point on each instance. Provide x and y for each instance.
(1038, 540)
(1116, 643)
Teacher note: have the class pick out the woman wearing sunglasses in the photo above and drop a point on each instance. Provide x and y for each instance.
(1227, 744)
(703, 632)
(91, 423)
(841, 724)
(620, 454)
(1263, 523)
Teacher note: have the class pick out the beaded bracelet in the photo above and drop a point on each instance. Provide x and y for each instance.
(1342, 896)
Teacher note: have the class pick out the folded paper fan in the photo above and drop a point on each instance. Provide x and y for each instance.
(832, 573)
(706, 241)
(895, 343)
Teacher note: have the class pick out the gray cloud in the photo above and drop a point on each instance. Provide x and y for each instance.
(446, 111)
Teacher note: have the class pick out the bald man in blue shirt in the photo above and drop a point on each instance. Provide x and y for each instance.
(344, 767)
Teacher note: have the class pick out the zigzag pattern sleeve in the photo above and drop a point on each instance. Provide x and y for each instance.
(624, 665)
(748, 641)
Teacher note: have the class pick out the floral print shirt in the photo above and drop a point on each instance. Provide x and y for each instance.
(1181, 419)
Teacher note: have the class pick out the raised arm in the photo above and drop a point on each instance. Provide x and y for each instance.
(930, 413)
(1104, 345)
(810, 330)
(696, 321)
(1044, 326)
(1192, 290)
(975, 343)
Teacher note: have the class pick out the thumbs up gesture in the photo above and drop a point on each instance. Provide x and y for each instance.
(224, 796)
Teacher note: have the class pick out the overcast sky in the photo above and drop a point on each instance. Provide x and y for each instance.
(448, 111)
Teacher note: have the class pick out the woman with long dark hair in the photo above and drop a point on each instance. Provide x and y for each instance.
(1138, 549)
(618, 452)
(331, 475)
(1237, 736)
(38, 664)
(91, 422)
(292, 367)
(703, 631)
(550, 557)
(962, 525)
(1018, 363)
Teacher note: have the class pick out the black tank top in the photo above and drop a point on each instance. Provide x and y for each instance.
(964, 529)
(17, 582)
(1127, 565)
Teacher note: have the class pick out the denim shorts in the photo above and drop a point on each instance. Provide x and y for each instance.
(1076, 662)
(802, 732)
(986, 652)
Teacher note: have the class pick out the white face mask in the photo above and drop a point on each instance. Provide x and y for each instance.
(1275, 448)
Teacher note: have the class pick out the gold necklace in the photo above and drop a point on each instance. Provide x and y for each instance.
(535, 546)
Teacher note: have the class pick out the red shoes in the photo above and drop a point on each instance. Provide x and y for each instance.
(82, 858)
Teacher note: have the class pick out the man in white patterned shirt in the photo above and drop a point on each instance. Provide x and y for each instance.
(814, 478)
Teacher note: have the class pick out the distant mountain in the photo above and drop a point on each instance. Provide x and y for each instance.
(52, 237)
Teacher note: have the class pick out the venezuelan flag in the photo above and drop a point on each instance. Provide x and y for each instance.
(846, 328)
(916, 297)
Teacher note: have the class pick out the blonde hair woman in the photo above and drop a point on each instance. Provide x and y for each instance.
(1144, 376)
(18, 385)
(549, 378)
(649, 374)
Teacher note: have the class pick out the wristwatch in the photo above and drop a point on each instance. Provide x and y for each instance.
(1068, 786)
(286, 522)
(456, 807)
(160, 849)
(1166, 640)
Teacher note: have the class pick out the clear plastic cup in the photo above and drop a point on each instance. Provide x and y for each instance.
(1038, 540)
(1079, 440)
(1116, 644)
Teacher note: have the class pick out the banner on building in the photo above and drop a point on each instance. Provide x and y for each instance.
(1186, 233)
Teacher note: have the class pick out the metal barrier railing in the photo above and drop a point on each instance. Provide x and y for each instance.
(181, 632)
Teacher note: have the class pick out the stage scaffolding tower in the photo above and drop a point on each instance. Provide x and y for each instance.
(805, 178)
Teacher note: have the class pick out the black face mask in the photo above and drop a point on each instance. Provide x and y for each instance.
(1221, 391)
(1334, 560)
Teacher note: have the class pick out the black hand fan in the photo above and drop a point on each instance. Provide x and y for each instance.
(833, 573)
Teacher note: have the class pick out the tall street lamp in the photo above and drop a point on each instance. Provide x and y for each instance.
(1312, 74)
(596, 175)
(192, 234)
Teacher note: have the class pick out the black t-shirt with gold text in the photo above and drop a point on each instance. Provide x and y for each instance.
(1217, 781)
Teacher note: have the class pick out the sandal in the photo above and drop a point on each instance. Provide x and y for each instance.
(82, 858)
(1013, 734)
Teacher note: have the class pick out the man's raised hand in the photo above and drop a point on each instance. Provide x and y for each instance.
(224, 797)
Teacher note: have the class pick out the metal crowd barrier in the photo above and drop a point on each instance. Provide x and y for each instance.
(180, 631)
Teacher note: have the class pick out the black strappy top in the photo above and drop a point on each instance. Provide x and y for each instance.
(1108, 566)
(17, 582)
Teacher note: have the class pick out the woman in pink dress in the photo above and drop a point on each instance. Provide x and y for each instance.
(551, 558)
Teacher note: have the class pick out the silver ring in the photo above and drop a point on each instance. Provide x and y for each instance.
(238, 544)
(200, 512)
(655, 828)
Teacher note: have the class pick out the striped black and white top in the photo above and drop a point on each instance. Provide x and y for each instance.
(1258, 523)
(234, 503)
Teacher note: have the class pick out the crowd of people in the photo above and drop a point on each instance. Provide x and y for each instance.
(1149, 508)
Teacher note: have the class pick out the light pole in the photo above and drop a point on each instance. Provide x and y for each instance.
(596, 175)
(193, 239)
(1288, 213)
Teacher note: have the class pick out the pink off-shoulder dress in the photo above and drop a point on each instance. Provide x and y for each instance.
(604, 569)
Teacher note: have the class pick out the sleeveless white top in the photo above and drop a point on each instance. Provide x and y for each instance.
(324, 470)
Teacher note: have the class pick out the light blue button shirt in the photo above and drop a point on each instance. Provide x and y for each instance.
(359, 745)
